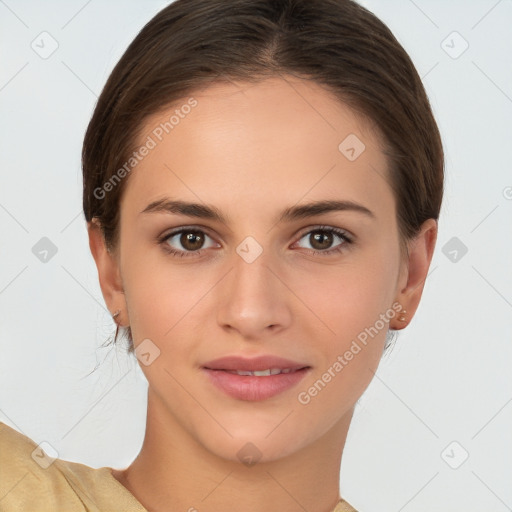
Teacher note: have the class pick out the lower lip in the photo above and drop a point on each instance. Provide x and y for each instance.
(252, 388)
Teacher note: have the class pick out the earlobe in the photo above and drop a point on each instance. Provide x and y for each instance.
(108, 269)
(421, 250)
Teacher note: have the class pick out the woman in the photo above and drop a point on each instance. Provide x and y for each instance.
(262, 183)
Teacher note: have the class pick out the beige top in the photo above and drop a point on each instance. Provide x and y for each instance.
(32, 481)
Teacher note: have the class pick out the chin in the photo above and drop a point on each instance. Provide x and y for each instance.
(256, 443)
(251, 450)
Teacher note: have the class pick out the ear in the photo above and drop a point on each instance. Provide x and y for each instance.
(414, 272)
(108, 272)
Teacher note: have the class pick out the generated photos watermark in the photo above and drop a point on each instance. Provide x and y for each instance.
(305, 397)
(151, 142)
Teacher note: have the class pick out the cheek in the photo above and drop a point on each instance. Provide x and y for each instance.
(155, 294)
(169, 303)
(356, 306)
(351, 296)
(159, 299)
(354, 301)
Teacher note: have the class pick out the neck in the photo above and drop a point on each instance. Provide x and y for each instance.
(175, 473)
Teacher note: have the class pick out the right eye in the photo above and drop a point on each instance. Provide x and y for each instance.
(191, 240)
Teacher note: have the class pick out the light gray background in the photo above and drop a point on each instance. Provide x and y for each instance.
(448, 378)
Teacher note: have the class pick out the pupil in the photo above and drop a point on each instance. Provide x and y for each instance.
(321, 240)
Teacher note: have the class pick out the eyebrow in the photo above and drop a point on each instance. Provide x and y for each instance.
(204, 211)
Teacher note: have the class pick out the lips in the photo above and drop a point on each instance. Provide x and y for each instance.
(254, 379)
(255, 364)
(260, 373)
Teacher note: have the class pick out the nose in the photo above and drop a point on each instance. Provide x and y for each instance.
(252, 299)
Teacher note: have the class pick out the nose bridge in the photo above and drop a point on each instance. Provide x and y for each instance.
(252, 298)
(251, 271)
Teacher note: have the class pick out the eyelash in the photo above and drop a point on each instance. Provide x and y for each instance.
(347, 240)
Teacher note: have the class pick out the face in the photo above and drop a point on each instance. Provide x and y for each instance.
(255, 277)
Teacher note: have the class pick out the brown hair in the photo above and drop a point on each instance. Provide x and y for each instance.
(336, 43)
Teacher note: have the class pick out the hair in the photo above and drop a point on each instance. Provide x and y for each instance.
(337, 44)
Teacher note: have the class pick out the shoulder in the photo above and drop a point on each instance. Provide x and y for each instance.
(343, 506)
(30, 479)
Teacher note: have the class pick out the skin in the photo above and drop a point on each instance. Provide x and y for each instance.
(252, 150)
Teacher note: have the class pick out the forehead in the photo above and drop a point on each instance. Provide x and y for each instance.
(281, 139)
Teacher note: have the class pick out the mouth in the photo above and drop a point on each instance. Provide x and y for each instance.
(254, 379)
(261, 373)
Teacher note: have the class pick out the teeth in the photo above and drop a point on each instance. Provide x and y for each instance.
(261, 373)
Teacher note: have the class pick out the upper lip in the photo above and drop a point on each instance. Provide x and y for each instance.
(253, 364)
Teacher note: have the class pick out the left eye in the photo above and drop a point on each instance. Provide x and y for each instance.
(320, 240)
